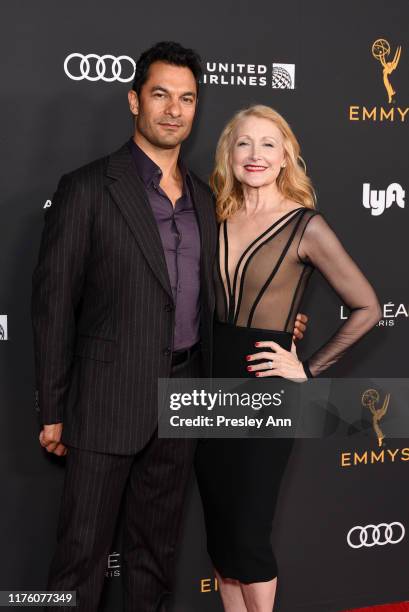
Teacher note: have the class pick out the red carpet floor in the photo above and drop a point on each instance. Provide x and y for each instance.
(402, 607)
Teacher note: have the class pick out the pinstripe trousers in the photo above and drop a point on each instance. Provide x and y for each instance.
(152, 485)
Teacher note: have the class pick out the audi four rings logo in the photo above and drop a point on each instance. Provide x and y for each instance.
(94, 67)
(372, 535)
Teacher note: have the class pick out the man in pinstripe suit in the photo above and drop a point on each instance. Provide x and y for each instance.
(122, 295)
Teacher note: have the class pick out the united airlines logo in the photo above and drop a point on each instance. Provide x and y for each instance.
(274, 75)
(283, 76)
(3, 327)
(378, 200)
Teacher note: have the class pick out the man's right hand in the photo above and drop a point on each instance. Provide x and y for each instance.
(50, 437)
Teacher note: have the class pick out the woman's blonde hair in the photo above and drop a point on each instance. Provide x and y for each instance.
(292, 181)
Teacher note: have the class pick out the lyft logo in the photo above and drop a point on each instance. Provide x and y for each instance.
(378, 200)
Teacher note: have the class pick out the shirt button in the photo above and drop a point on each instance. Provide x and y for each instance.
(167, 351)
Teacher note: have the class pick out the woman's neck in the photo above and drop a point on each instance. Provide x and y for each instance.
(262, 199)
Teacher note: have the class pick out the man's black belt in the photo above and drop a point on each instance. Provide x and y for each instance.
(184, 355)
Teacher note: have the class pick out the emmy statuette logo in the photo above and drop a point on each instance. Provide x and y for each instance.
(369, 399)
(383, 454)
(381, 50)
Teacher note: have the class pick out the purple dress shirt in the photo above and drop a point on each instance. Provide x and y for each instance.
(179, 232)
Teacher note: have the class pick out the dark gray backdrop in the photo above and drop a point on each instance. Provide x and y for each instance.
(52, 124)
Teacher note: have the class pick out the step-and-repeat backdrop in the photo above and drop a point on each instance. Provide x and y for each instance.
(338, 71)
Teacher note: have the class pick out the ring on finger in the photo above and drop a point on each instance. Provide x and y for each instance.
(269, 365)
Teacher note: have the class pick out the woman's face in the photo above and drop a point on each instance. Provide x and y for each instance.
(258, 152)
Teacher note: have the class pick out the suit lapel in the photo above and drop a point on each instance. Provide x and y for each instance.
(129, 194)
(206, 219)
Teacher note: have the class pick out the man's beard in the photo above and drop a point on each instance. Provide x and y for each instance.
(169, 141)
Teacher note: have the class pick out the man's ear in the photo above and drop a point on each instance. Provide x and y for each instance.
(133, 100)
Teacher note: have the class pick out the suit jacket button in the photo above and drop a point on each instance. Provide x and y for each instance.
(169, 307)
(167, 351)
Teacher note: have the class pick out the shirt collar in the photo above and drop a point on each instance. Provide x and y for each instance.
(150, 172)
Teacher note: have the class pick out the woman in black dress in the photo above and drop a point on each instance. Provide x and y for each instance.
(270, 240)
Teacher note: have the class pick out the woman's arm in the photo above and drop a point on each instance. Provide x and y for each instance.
(320, 246)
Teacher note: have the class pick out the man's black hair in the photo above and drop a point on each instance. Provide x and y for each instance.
(170, 52)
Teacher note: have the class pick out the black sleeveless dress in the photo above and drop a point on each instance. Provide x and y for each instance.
(239, 479)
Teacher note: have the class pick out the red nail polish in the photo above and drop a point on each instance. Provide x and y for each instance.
(248, 357)
(257, 373)
(249, 368)
(256, 343)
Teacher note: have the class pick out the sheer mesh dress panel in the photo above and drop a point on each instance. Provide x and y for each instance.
(264, 287)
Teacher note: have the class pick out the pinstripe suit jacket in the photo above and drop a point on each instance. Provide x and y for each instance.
(102, 306)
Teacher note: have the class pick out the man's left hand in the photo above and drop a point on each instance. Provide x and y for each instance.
(300, 326)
